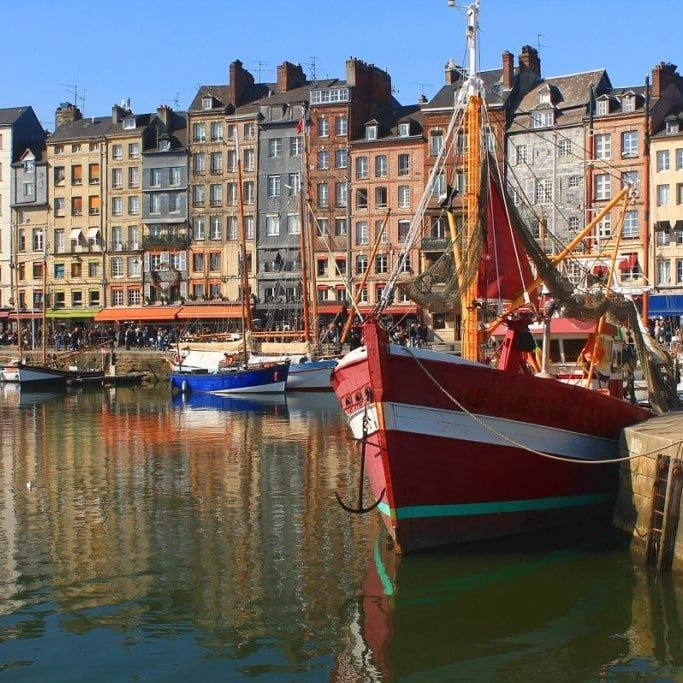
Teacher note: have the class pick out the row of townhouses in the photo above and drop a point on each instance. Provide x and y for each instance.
(108, 217)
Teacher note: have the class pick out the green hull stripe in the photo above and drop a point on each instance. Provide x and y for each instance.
(495, 508)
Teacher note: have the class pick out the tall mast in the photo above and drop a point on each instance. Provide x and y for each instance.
(470, 332)
(244, 284)
(311, 232)
(303, 260)
(43, 328)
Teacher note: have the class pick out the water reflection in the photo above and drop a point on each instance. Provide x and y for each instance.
(162, 539)
(571, 611)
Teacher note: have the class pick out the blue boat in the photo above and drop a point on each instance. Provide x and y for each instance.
(267, 404)
(268, 378)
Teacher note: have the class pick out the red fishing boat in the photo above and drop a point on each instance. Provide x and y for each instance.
(459, 448)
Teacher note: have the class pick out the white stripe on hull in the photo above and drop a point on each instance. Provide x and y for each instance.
(276, 387)
(448, 424)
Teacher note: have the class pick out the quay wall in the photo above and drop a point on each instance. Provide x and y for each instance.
(649, 501)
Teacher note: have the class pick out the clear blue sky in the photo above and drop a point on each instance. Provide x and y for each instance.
(159, 52)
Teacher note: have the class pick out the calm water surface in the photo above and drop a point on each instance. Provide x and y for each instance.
(149, 539)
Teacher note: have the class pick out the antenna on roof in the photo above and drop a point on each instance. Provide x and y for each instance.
(175, 101)
(79, 100)
(312, 64)
(259, 65)
(422, 87)
(539, 45)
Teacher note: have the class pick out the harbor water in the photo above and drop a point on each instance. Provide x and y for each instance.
(151, 538)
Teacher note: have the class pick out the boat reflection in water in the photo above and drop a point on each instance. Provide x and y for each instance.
(274, 404)
(564, 613)
(12, 394)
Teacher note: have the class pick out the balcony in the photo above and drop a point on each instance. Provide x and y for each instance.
(162, 241)
(435, 243)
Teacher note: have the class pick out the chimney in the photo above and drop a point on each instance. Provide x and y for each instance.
(67, 113)
(530, 61)
(289, 76)
(422, 99)
(240, 80)
(117, 113)
(164, 113)
(663, 75)
(452, 74)
(508, 69)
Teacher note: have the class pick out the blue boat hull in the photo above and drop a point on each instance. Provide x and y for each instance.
(267, 379)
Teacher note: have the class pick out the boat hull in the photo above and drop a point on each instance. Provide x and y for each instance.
(267, 379)
(28, 376)
(311, 375)
(456, 451)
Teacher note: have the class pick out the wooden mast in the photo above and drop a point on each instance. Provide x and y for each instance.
(244, 281)
(470, 324)
(305, 291)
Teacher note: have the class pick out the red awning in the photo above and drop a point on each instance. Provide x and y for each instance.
(138, 313)
(4, 315)
(629, 263)
(212, 311)
(600, 270)
(392, 310)
(330, 309)
(322, 288)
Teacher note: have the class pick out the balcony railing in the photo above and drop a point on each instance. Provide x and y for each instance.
(434, 243)
(156, 241)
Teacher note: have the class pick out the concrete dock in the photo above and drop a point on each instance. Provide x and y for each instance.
(649, 501)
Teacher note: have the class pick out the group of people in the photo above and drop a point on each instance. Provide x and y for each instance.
(663, 331)
(414, 335)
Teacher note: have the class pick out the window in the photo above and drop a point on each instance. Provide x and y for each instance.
(629, 178)
(323, 127)
(542, 119)
(340, 226)
(216, 131)
(154, 177)
(93, 269)
(403, 197)
(273, 185)
(248, 191)
(672, 127)
(272, 225)
(323, 159)
(574, 181)
(564, 148)
(663, 238)
(341, 125)
(323, 267)
(231, 194)
(371, 132)
(199, 132)
(59, 271)
(94, 205)
(77, 175)
(77, 298)
(323, 196)
(663, 160)
(543, 191)
(117, 266)
(275, 147)
(176, 175)
(435, 142)
(129, 123)
(249, 159)
(155, 204)
(362, 198)
(198, 195)
(293, 224)
(216, 194)
(199, 228)
(38, 240)
(404, 164)
(664, 272)
(199, 163)
(662, 195)
(362, 233)
(215, 228)
(28, 189)
(522, 154)
(628, 103)
(439, 187)
(60, 206)
(629, 143)
(340, 194)
(59, 241)
(296, 146)
(679, 193)
(381, 197)
(329, 95)
(603, 186)
(133, 177)
(59, 175)
(361, 168)
(382, 264)
(574, 223)
(76, 206)
(381, 166)
(679, 271)
(361, 264)
(249, 131)
(117, 152)
(133, 150)
(679, 159)
(293, 184)
(603, 146)
(216, 162)
(133, 206)
(403, 130)
(403, 229)
(94, 174)
(631, 227)
(117, 178)
(323, 226)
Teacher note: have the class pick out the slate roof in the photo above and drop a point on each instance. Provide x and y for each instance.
(87, 128)
(494, 93)
(11, 114)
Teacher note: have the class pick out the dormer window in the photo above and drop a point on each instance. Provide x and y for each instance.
(403, 130)
(542, 119)
(129, 123)
(672, 127)
(207, 103)
(628, 103)
(371, 132)
(165, 145)
(602, 107)
(29, 166)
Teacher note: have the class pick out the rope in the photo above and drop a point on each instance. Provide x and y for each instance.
(512, 442)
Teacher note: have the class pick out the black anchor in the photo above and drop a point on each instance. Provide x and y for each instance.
(360, 510)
